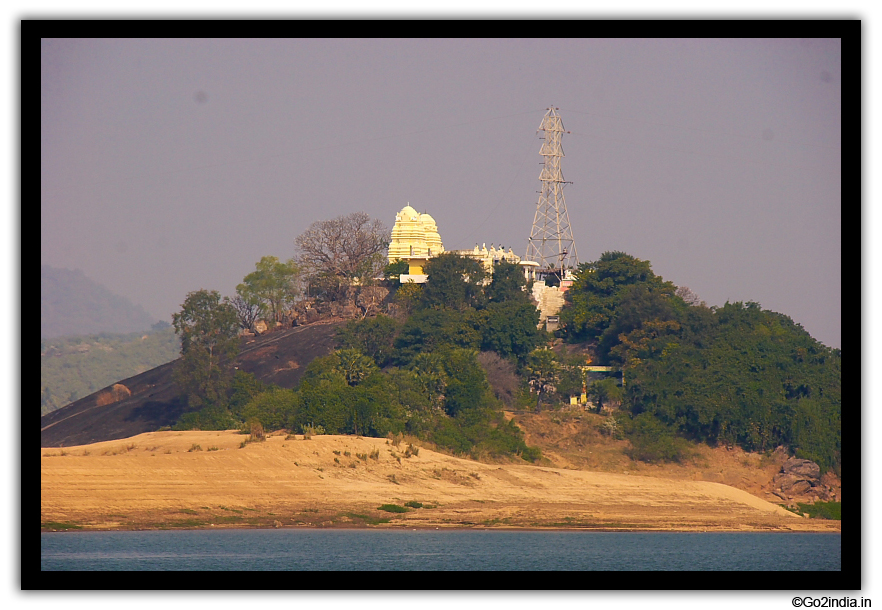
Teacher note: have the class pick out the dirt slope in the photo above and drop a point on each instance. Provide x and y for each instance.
(154, 480)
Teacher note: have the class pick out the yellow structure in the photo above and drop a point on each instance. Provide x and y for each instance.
(415, 239)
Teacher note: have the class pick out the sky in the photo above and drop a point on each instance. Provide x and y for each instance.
(168, 166)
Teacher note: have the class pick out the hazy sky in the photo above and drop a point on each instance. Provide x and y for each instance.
(174, 165)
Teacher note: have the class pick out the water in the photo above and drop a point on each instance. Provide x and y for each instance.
(309, 549)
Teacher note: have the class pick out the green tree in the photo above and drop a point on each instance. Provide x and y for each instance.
(507, 284)
(354, 366)
(272, 286)
(593, 302)
(604, 391)
(454, 282)
(393, 272)
(427, 330)
(207, 327)
(542, 371)
(374, 337)
(510, 328)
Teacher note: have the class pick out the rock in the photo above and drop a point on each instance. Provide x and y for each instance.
(113, 394)
(805, 469)
(260, 327)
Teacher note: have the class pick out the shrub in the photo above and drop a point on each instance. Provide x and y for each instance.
(822, 510)
(652, 441)
(257, 433)
(195, 447)
(392, 508)
(414, 504)
(610, 427)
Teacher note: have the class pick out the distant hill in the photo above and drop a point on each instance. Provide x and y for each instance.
(74, 366)
(73, 304)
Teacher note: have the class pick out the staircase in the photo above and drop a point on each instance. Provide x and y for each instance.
(550, 299)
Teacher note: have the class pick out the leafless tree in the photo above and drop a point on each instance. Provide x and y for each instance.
(247, 311)
(502, 377)
(343, 251)
(690, 297)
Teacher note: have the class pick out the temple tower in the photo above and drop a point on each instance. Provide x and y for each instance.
(551, 242)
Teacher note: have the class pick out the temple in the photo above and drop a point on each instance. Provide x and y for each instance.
(415, 239)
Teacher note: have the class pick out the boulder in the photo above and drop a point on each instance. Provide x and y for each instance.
(260, 327)
(113, 394)
(805, 469)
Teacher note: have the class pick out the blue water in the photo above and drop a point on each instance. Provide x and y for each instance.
(309, 549)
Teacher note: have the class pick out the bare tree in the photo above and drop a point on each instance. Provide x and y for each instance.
(247, 311)
(690, 297)
(343, 251)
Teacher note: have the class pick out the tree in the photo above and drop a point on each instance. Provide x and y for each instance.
(346, 250)
(454, 282)
(271, 286)
(511, 329)
(689, 297)
(543, 372)
(604, 391)
(373, 337)
(354, 366)
(507, 284)
(247, 311)
(595, 300)
(208, 330)
(408, 296)
(393, 272)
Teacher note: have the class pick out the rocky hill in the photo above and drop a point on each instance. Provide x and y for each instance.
(149, 401)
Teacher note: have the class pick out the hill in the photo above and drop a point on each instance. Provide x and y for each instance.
(74, 367)
(73, 304)
(150, 400)
(212, 479)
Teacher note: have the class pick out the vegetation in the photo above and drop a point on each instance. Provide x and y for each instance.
(74, 367)
(208, 329)
(821, 510)
(460, 348)
(393, 508)
(735, 374)
(338, 253)
(267, 292)
(422, 376)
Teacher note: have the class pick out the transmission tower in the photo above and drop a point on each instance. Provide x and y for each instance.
(551, 242)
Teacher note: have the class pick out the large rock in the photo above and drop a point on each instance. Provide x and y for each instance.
(805, 469)
(799, 479)
(113, 394)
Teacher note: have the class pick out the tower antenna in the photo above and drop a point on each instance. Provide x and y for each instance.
(551, 242)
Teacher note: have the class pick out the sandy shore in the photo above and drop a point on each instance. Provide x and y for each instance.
(155, 480)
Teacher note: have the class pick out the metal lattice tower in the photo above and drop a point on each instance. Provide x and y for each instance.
(551, 242)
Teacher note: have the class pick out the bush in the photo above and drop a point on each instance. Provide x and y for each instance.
(822, 510)
(257, 433)
(652, 441)
(393, 508)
